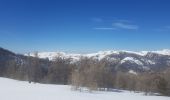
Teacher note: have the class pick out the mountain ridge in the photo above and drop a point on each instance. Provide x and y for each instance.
(121, 60)
(100, 54)
(126, 60)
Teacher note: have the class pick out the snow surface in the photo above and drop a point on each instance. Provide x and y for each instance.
(151, 62)
(20, 90)
(131, 59)
(132, 72)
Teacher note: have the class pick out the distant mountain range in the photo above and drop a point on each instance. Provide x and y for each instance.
(122, 60)
(126, 60)
(99, 55)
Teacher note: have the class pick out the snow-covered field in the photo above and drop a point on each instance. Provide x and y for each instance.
(19, 90)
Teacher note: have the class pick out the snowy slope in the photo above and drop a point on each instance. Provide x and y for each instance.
(19, 90)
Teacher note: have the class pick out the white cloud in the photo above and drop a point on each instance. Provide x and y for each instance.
(105, 28)
(120, 25)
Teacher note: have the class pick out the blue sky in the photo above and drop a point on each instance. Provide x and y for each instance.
(84, 25)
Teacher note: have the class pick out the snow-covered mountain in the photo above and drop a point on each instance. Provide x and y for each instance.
(52, 55)
(99, 55)
(126, 60)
